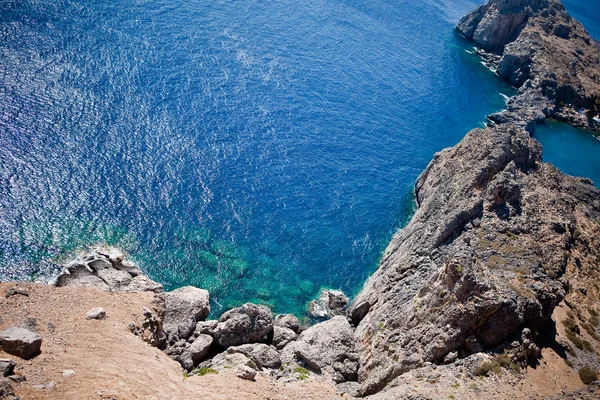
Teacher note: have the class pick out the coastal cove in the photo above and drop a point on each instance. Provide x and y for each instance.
(275, 153)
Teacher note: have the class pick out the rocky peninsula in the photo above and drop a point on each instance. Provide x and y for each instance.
(492, 289)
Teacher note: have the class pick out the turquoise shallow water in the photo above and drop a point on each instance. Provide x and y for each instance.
(259, 149)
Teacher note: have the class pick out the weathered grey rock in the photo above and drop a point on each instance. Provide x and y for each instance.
(451, 357)
(350, 388)
(206, 327)
(67, 373)
(7, 367)
(262, 355)
(44, 386)
(150, 329)
(288, 321)
(105, 268)
(6, 390)
(282, 336)
(195, 352)
(329, 304)
(183, 308)
(245, 373)
(226, 360)
(17, 378)
(142, 283)
(20, 342)
(326, 347)
(477, 248)
(96, 313)
(246, 324)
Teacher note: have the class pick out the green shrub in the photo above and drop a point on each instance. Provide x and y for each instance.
(204, 371)
(303, 372)
(587, 375)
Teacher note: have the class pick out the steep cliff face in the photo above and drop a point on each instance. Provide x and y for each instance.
(487, 252)
(482, 258)
(545, 53)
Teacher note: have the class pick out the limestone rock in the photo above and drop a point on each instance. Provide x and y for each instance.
(477, 248)
(20, 342)
(96, 313)
(282, 336)
(105, 268)
(262, 355)
(150, 329)
(183, 308)
(206, 327)
(246, 324)
(245, 373)
(226, 360)
(327, 347)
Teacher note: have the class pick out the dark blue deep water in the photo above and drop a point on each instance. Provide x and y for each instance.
(259, 149)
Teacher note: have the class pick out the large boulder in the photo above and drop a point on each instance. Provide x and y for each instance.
(263, 356)
(20, 342)
(326, 347)
(282, 336)
(246, 324)
(184, 307)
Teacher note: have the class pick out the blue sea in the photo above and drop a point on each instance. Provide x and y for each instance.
(259, 149)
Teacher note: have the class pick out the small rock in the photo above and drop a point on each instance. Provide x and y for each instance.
(16, 291)
(20, 342)
(329, 304)
(451, 357)
(67, 373)
(47, 385)
(193, 354)
(96, 313)
(6, 389)
(263, 356)
(282, 336)
(6, 367)
(206, 327)
(17, 378)
(245, 373)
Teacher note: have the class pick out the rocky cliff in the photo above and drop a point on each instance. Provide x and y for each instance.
(487, 253)
(536, 46)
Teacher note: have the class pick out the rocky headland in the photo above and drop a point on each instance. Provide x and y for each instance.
(492, 289)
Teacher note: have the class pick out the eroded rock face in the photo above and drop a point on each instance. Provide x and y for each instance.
(246, 324)
(107, 269)
(193, 353)
(184, 307)
(545, 53)
(288, 321)
(20, 342)
(480, 260)
(262, 355)
(326, 347)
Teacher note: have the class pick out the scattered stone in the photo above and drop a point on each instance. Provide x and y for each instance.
(6, 390)
(6, 367)
(20, 342)
(96, 313)
(184, 307)
(44, 386)
(16, 291)
(67, 373)
(451, 357)
(17, 378)
(245, 373)
(246, 324)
